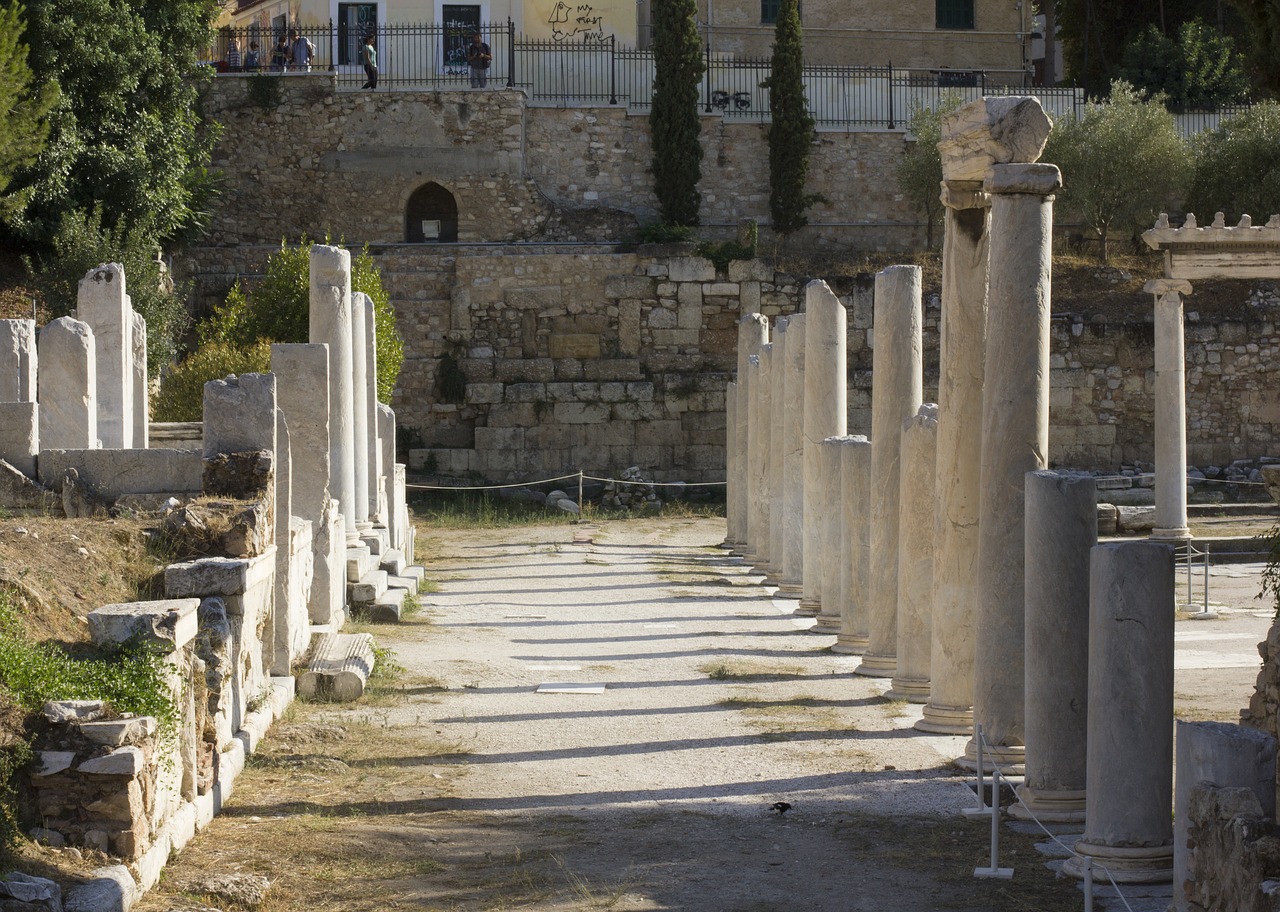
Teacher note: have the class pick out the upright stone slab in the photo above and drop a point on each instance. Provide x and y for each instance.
(753, 331)
(834, 561)
(240, 414)
(102, 303)
(825, 415)
(402, 537)
(18, 361)
(290, 622)
(20, 435)
(732, 478)
(68, 386)
(331, 325)
(1130, 754)
(360, 404)
(1015, 422)
(855, 468)
(375, 469)
(1171, 410)
(1062, 528)
(915, 555)
(777, 451)
(791, 584)
(141, 384)
(758, 468)
(302, 391)
(386, 461)
(896, 395)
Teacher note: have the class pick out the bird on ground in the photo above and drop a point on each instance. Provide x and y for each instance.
(781, 807)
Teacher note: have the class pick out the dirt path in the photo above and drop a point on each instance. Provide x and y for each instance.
(465, 789)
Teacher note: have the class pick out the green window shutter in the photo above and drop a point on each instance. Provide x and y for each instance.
(768, 11)
(955, 14)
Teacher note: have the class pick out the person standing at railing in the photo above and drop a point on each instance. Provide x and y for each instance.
(233, 55)
(301, 51)
(370, 58)
(478, 58)
(280, 54)
(252, 60)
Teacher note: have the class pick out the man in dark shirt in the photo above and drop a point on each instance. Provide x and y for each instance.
(478, 58)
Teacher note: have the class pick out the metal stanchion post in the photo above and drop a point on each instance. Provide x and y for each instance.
(994, 872)
(1088, 884)
(982, 808)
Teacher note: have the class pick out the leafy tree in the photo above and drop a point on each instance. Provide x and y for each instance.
(1262, 18)
(673, 119)
(1237, 167)
(1122, 161)
(278, 309)
(919, 171)
(23, 111)
(181, 396)
(1199, 69)
(791, 132)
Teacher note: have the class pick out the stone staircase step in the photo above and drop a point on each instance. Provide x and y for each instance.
(369, 589)
(414, 572)
(387, 609)
(407, 583)
(393, 562)
(374, 542)
(359, 562)
(339, 668)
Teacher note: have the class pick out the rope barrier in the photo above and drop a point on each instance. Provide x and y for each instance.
(577, 475)
(1192, 481)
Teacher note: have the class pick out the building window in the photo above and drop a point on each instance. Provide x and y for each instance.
(955, 14)
(769, 11)
(355, 21)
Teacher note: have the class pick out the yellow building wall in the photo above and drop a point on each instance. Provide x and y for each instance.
(581, 21)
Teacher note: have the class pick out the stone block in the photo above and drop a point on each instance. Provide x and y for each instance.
(339, 668)
(121, 731)
(720, 290)
(690, 269)
(168, 623)
(18, 361)
(991, 131)
(126, 761)
(526, 392)
(484, 393)
(517, 415)
(580, 412)
(632, 286)
(750, 271)
(118, 472)
(535, 298)
(574, 345)
(68, 386)
(20, 492)
(216, 576)
(503, 438)
(240, 414)
(20, 435)
(689, 315)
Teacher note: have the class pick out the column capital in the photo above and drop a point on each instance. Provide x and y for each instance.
(964, 194)
(1037, 178)
(1162, 287)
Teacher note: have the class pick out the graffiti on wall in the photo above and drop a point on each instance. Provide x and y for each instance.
(581, 21)
(578, 22)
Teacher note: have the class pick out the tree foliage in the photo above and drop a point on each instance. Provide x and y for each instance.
(919, 172)
(1237, 166)
(790, 132)
(1122, 162)
(24, 108)
(1198, 69)
(673, 120)
(1262, 19)
(181, 395)
(278, 309)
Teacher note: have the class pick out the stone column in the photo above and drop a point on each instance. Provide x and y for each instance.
(331, 325)
(896, 394)
(833, 560)
(387, 460)
(141, 384)
(777, 450)
(915, 556)
(1130, 780)
(101, 302)
(371, 399)
(18, 360)
(360, 411)
(68, 386)
(825, 413)
(1015, 426)
(753, 331)
(731, 479)
(855, 538)
(791, 583)
(955, 560)
(1171, 411)
(758, 456)
(1061, 528)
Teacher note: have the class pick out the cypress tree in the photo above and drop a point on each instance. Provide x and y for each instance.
(673, 120)
(24, 106)
(791, 131)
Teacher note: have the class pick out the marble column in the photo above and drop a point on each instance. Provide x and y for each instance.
(753, 331)
(140, 382)
(833, 560)
(758, 470)
(101, 301)
(960, 365)
(825, 413)
(1128, 827)
(1171, 410)
(915, 556)
(731, 479)
(1015, 426)
(375, 470)
(19, 361)
(387, 462)
(791, 584)
(68, 386)
(777, 449)
(331, 324)
(855, 543)
(360, 411)
(896, 395)
(1061, 528)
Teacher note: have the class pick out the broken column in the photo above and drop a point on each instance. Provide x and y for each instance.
(896, 395)
(732, 477)
(1062, 528)
(825, 414)
(1171, 410)
(102, 303)
(140, 384)
(18, 361)
(758, 466)
(386, 461)
(915, 556)
(753, 331)
(360, 413)
(791, 584)
(68, 386)
(1015, 423)
(331, 325)
(1130, 754)
(833, 560)
(777, 450)
(855, 543)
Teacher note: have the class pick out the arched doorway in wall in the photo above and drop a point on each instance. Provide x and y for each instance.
(430, 215)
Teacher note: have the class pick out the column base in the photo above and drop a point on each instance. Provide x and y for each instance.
(1010, 758)
(911, 689)
(728, 545)
(946, 720)
(852, 644)
(1182, 534)
(826, 626)
(789, 590)
(808, 607)
(877, 666)
(1049, 805)
(1145, 864)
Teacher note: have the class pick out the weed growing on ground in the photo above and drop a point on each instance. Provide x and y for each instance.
(742, 670)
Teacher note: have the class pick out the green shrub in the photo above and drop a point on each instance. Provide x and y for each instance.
(660, 233)
(181, 396)
(722, 253)
(1237, 169)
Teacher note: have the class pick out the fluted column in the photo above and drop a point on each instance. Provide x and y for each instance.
(855, 539)
(915, 556)
(793, 461)
(1171, 410)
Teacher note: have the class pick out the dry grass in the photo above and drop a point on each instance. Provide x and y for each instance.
(745, 670)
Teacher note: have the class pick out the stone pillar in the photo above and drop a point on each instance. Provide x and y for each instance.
(825, 413)
(1061, 528)
(18, 360)
(141, 384)
(331, 324)
(1015, 425)
(777, 450)
(753, 331)
(758, 455)
(240, 415)
(102, 303)
(68, 386)
(731, 479)
(915, 556)
(360, 411)
(386, 459)
(960, 363)
(288, 625)
(20, 435)
(791, 584)
(833, 559)
(1226, 756)
(896, 394)
(375, 469)
(1130, 779)
(302, 395)
(1171, 411)
(855, 538)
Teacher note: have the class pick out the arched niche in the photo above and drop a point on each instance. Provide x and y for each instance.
(430, 215)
